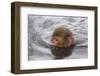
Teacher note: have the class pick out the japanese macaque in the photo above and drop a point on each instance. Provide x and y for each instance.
(62, 43)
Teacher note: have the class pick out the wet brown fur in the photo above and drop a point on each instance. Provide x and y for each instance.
(65, 39)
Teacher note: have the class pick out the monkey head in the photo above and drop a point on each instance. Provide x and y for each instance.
(62, 40)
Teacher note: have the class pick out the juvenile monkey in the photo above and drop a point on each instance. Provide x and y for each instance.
(62, 42)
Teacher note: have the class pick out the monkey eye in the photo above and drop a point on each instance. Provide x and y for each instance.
(55, 41)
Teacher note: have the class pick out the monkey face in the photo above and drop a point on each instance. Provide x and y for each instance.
(56, 41)
(61, 42)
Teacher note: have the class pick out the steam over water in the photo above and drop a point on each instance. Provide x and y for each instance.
(40, 30)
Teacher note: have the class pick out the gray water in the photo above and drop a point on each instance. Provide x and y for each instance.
(40, 29)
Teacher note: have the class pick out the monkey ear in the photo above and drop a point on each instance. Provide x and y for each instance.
(69, 42)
